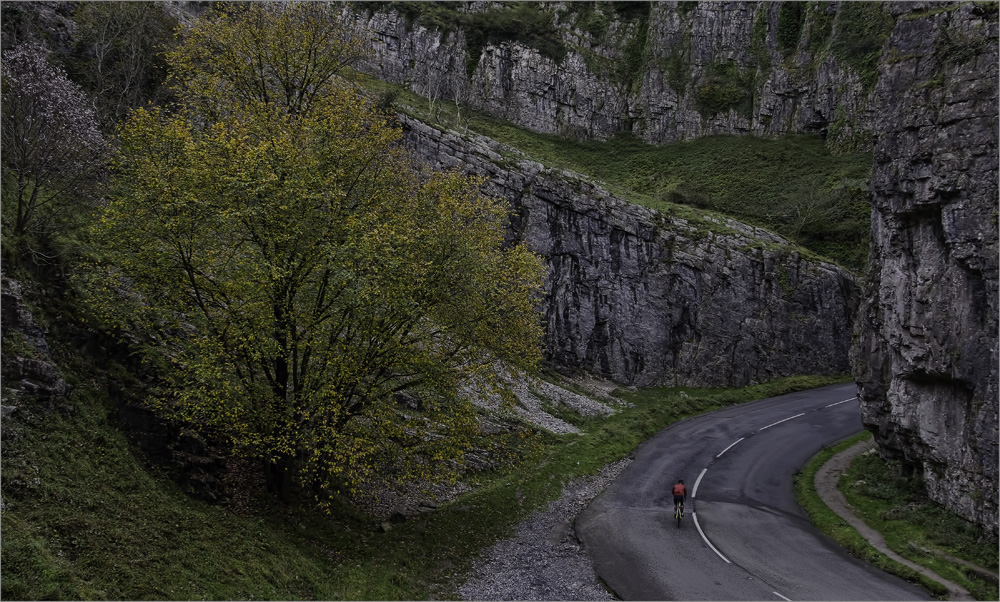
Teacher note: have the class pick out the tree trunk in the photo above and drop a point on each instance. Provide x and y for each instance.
(279, 477)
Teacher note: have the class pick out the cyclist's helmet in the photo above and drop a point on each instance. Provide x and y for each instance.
(680, 480)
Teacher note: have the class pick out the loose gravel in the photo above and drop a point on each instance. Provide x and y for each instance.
(544, 560)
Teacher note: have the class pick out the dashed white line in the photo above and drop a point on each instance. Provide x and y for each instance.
(839, 402)
(731, 445)
(694, 491)
(779, 595)
(695, 517)
(780, 421)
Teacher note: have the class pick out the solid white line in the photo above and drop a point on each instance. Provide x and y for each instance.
(779, 595)
(840, 402)
(730, 445)
(694, 491)
(780, 421)
(695, 517)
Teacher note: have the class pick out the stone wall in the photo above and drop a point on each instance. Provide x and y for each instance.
(926, 357)
(646, 298)
(660, 76)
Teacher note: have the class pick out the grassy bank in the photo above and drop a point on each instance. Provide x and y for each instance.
(914, 527)
(85, 517)
(896, 508)
(793, 185)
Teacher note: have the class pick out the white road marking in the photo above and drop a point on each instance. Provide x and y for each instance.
(780, 421)
(779, 595)
(695, 517)
(840, 402)
(694, 491)
(730, 445)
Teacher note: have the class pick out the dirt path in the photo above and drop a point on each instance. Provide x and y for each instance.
(826, 481)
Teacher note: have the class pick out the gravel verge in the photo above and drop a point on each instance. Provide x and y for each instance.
(544, 560)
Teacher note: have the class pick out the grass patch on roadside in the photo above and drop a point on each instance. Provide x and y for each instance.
(839, 530)
(85, 517)
(898, 507)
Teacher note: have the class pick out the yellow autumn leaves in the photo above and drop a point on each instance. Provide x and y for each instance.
(314, 299)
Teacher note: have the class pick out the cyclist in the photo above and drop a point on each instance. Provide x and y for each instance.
(680, 493)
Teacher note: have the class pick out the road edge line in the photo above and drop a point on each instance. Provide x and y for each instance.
(694, 492)
(702, 533)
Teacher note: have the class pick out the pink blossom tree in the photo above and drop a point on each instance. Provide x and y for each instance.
(52, 147)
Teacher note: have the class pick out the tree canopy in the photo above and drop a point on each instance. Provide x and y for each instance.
(317, 300)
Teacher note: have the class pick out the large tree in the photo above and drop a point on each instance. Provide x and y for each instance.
(319, 300)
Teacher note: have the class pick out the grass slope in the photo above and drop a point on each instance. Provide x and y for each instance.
(793, 185)
(897, 508)
(85, 517)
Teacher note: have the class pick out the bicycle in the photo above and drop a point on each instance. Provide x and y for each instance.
(679, 513)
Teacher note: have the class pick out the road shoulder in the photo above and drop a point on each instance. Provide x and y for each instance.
(826, 480)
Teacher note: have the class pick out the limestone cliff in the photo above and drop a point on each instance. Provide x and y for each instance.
(647, 298)
(926, 354)
(663, 71)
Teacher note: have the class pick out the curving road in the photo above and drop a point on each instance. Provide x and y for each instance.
(744, 537)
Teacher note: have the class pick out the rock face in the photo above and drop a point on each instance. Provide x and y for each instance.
(28, 372)
(926, 354)
(662, 70)
(646, 298)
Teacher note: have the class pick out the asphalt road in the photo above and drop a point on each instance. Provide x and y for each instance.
(743, 537)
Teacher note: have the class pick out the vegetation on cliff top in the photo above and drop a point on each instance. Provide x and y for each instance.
(793, 185)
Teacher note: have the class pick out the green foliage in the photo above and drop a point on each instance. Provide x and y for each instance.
(252, 54)
(764, 182)
(84, 519)
(591, 17)
(595, 18)
(277, 253)
(633, 66)
(896, 505)
(955, 48)
(861, 30)
(791, 16)
(820, 19)
(758, 41)
(725, 86)
(678, 65)
(838, 529)
(846, 136)
(759, 181)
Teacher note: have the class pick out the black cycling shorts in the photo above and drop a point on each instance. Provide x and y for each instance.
(678, 499)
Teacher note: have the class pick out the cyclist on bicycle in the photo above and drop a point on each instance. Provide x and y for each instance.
(680, 493)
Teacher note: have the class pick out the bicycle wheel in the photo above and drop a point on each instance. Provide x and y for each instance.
(678, 514)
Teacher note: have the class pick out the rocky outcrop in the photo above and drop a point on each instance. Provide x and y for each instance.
(926, 353)
(29, 375)
(664, 70)
(647, 298)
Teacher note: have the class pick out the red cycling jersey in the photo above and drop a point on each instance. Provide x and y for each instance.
(680, 489)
